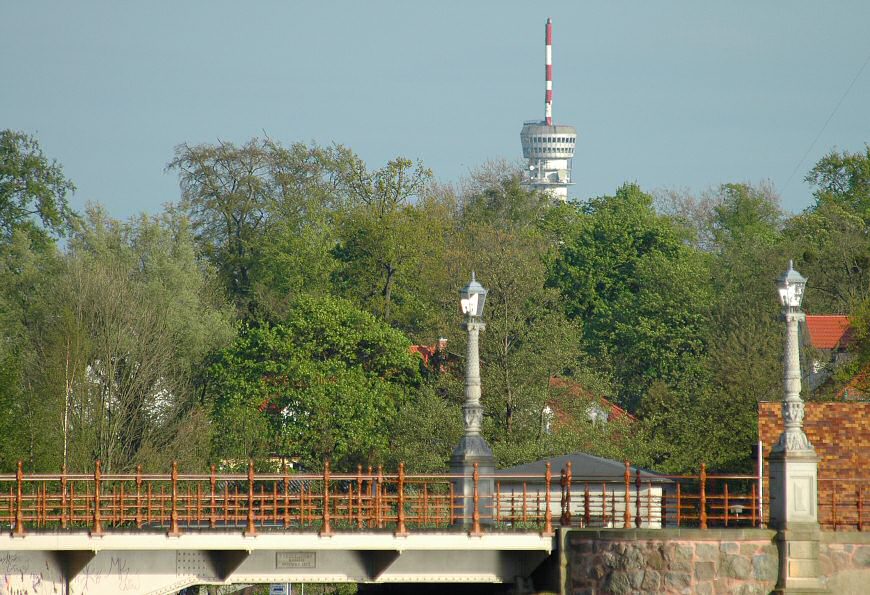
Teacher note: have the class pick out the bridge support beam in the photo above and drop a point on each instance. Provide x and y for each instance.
(225, 562)
(71, 563)
(139, 563)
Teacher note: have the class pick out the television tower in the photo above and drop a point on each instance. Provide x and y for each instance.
(548, 147)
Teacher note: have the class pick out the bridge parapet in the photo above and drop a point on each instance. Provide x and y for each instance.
(157, 533)
(371, 499)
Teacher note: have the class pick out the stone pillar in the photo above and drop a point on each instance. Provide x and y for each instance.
(472, 448)
(794, 482)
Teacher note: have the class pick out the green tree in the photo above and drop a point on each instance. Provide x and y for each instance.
(28, 275)
(324, 383)
(427, 429)
(830, 246)
(641, 291)
(745, 214)
(506, 234)
(115, 337)
(843, 179)
(381, 233)
(33, 190)
(260, 212)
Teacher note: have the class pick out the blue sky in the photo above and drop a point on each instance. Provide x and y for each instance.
(667, 94)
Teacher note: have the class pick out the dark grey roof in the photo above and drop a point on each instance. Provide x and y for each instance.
(583, 466)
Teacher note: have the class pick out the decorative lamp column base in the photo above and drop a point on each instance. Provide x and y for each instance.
(794, 513)
(470, 450)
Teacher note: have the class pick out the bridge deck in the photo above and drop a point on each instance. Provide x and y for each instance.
(139, 562)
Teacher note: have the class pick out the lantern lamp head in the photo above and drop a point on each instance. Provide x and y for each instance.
(472, 298)
(791, 286)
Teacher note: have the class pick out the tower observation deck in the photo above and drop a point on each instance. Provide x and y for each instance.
(549, 147)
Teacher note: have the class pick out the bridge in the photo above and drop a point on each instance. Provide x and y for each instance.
(142, 533)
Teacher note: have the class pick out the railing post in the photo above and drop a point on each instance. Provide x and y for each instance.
(173, 512)
(275, 502)
(637, 519)
(379, 498)
(71, 501)
(198, 505)
(475, 515)
(369, 497)
(138, 496)
(565, 519)
(401, 531)
(679, 504)
(97, 530)
(19, 505)
(726, 511)
(212, 482)
(587, 514)
(264, 515)
(120, 509)
(359, 496)
(525, 496)
(626, 515)
(451, 506)
(251, 528)
(326, 529)
(286, 485)
(44, 503)
(703, 511)
(63, 500)
(302, 504)
(548, 514)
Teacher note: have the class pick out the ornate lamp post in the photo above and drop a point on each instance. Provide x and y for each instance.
(472, 448)
(791, 286)
(793, 462)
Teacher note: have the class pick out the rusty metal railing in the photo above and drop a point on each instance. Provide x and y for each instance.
(843, 503)
(373, 500)
(635, 500)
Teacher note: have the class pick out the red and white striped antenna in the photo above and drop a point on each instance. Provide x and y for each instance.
(548, 98)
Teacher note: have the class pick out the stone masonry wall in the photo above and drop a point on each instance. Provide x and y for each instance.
(735, 561)
(844, 558)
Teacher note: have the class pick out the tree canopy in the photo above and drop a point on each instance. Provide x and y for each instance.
(326, 382)
(33, 190)
(272, 309)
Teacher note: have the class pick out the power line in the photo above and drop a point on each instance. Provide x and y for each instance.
(828, 121)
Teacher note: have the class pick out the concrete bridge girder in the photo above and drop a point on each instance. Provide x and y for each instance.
(152, 564)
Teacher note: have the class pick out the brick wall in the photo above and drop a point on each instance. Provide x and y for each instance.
(840, 433)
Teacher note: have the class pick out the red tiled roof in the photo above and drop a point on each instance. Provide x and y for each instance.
(426, 352)
(829, 331)
(575, 389)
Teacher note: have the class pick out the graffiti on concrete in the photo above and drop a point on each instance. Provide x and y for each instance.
(28, 575)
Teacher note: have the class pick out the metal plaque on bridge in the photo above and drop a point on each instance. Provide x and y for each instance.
(295, 559)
